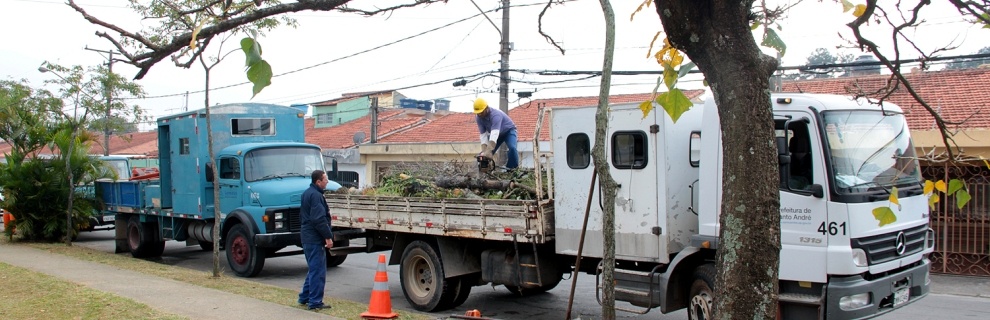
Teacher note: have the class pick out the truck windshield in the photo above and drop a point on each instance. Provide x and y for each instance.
(871, 151)
(120, 168)
(277, 163)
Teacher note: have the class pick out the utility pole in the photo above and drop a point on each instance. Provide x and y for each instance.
(374, 120)
(106, 119)
(503, 85)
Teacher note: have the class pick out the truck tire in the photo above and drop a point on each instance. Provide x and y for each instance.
(337, 259)
(142, 239)
(206, 246)
(702, 293)
(422, 278)
(461, 291)
(244, 258)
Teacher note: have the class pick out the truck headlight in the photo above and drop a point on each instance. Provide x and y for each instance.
(278, 216)
(278, 225)
(855, 301)
(859, 258)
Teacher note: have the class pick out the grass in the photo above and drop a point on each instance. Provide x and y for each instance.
(32, 295)
(341, 308)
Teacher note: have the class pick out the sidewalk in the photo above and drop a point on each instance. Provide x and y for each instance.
(167, 295)
(960, 285)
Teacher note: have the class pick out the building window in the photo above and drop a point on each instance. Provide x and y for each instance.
(326, 118)
(252, 127)
(694, 148)
(578, 151)
(183, 145)
(629, 150)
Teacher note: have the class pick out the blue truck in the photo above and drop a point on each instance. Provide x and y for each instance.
(263, 166)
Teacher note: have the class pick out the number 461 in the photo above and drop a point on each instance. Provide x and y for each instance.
(833, 228)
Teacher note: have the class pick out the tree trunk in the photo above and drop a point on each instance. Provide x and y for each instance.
(602, 167)
(716, 36)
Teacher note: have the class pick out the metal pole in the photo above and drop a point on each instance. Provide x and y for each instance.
(106, 120)
(374, 120)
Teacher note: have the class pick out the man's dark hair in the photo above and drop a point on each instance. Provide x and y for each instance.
(317, 175)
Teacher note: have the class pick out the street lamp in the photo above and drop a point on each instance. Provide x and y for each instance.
(68, 161)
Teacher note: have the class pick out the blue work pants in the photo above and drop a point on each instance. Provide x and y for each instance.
(316, 278)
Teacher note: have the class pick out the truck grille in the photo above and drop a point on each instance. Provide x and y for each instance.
(292, 215)
(884, 247)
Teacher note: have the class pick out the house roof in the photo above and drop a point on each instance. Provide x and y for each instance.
(140, 143)
(348, 96)
(342, 136)
(957, 95)
(461, 127)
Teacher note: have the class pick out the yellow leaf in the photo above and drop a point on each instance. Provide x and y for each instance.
(940, 186)
(645, 4)
(893, 198)
(929, 186)
(403, 176)
(932, 201)
(986, 163)
(646, 106)
(199, 26)
(884, 215)
(846, 5)
(860, 10)
(651, 43)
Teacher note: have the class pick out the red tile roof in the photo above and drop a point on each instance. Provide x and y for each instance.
(958, 95)
(140, 143)
(342, 136)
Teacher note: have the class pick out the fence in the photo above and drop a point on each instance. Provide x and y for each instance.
(962, 236)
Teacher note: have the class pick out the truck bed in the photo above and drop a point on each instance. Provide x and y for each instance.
(527, 220)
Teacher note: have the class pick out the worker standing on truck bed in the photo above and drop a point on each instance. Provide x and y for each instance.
(316, 237)
(496, 128)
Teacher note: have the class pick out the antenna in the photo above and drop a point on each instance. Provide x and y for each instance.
(358, 137)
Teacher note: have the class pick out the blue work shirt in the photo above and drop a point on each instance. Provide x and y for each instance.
(496, 120)
(313, 213)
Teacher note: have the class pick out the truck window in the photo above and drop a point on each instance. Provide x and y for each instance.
(272, 163)
(252, 127)
(629, 150)
(230, 168)
(578, 151)
(801, 175)
(183, 145)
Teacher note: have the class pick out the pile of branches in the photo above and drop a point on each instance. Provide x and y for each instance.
(455, 180)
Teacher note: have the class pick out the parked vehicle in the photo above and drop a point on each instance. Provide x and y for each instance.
(263, 168)
(837, 261)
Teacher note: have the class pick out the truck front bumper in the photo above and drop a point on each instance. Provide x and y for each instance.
(885, 292)
(277, 240)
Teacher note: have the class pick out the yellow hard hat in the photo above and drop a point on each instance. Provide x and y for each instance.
(480, 105)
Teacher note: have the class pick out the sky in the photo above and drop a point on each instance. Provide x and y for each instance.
(331, 53)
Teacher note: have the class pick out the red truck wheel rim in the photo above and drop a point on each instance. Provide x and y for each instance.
(240, 250)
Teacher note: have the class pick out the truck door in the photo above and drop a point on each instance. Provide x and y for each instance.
(230, 184)
(632, 155)
(803, 208)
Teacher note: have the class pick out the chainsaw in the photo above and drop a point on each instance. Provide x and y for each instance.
(485, 164)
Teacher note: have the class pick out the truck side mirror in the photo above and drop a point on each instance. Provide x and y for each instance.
(209, 172)
(818, 191)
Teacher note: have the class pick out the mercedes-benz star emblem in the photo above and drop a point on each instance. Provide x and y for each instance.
(901, 243)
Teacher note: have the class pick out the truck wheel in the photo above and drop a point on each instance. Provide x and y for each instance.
(142, 239)
(462, 291)
(422, 278)
(336, 260)
(702, 293)
(243, 256)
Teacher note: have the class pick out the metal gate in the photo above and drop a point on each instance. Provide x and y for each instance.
(962, 236)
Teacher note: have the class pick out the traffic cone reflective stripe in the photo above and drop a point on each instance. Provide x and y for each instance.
(380, 306)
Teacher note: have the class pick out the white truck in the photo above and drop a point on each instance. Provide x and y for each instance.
(839, 160)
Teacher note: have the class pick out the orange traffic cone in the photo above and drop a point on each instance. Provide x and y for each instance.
(380, 306)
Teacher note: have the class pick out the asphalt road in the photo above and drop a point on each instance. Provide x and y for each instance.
(354, 278)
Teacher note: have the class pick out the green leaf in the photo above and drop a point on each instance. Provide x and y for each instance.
(954, 185)
(846, 5)
(261, 75)
(756, 24)
(962, 198)
(675, 103)
(669, 77)
(932, 200)
(252, 51)
(885, 215)
(646, 106)
(685, 69)
(771, 40)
